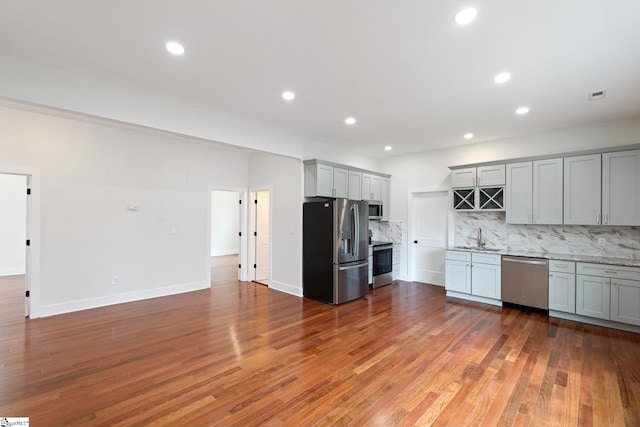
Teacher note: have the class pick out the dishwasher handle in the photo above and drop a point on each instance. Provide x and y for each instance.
(530, 261)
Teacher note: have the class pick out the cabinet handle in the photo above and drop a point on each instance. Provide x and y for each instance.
(614, 283)
(333, 192)
(529, 218)
(550, 275)
(611, 271)
(476, 181)
(597, 218)
(561, 265)
(605, 218)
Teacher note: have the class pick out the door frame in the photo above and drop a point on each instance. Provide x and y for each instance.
(243, 272)
(411, 225)
(253, 245)
(32, 252)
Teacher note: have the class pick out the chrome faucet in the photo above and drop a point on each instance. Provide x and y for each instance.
(480, 241)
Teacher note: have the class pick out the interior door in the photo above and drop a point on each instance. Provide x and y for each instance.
(429, 236)
(262, 237)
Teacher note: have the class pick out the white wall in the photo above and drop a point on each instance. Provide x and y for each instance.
(429, 170)
(225, 223)
(13, 215)
(90, 173)
(283, 176)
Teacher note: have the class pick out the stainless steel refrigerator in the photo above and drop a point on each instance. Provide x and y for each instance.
(335, 249)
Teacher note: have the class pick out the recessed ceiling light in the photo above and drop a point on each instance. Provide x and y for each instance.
(522, 110)
(288, 95)
(388, 148)
(502, 78)
(350, 121)
(468, 135)
(465, 16)
(175, 48)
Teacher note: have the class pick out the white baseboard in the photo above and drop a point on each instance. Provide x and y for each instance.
(283, 287)
(15, 271)
(225, 252)
(68, 307)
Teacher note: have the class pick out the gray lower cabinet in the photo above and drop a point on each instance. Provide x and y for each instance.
(474, 274)
(457, 271)
(486, 275)
(562, 286)
(608, 292)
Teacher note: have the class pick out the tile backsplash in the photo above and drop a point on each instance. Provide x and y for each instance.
(386, 231)
(604, 241)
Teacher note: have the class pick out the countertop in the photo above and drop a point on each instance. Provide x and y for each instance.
(564, 257)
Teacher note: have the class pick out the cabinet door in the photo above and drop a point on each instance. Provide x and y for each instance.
(488, 176)
(547, 191)
(370, 187)
(355, 185)
(396, 261)
(463, 177)
(592, 296)
(318, 180)
(340, 183)
(519, 193)
(625, 301)
(457, 276)
(562, 292)
(621, 188)
(582, 190)
(485, 280)
(385, 197)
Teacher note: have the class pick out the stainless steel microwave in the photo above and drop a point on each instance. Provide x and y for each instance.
(375, 210)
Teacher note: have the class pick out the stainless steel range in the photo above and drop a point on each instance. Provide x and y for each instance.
(382, 263)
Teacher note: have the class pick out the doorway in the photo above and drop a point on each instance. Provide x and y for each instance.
(429, 213)
(14, 246)
(226, 235)
(262, 237)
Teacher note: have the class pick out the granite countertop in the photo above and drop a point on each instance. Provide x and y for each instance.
(564, 257)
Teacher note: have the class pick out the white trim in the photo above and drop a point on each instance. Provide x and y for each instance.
(286, 288)
(89, 303)
(594, 321)
(475, 298)
(243, 274)
(15, 271)
(251, 228)
(32, 261)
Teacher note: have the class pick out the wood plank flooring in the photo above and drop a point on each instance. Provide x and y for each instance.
(242, 354)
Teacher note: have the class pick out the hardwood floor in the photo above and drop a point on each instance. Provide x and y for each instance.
(242, 354)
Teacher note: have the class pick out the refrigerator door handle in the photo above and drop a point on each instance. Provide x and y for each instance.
(352, 266)
(356, 224)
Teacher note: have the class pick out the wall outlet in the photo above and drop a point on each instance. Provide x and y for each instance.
(602, 242)
(115, 281)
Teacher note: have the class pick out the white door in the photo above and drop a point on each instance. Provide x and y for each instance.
(429, 236)
(262, 237)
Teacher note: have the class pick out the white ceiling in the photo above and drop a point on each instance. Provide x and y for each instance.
(411, 77)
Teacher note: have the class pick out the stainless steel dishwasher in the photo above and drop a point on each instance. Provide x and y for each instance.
(525, 281)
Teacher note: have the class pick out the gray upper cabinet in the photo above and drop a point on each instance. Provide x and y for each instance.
(582, 190)
(534, 192)
(621, 188)
(322, 180)
(371, 187)
(547, 191)
(355, 185)
(519, 193)
(482, 176)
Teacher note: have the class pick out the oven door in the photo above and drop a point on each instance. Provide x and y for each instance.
(382, 259)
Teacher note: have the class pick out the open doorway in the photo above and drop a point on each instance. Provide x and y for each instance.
(261, 236)
(14, 256)
(226, 236)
